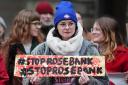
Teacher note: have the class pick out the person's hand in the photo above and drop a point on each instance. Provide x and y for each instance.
(34, 80)
(84, 79)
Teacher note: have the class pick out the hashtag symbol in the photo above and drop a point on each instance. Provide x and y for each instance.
(23, 72)
(21, 61)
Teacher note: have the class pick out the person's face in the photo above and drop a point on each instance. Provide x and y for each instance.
(35, 28)
(66, 29)
(46, 19)
(1, 31)
(97, 34)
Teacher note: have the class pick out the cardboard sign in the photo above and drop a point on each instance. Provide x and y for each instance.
(58, 66)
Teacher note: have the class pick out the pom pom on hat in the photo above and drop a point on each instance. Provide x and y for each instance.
(44, 7)
(64, 11)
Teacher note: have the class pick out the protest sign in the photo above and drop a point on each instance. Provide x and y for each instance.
(58, 66)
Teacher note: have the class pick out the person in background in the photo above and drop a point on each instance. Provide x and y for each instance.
(46, 12)
(66, 39)
(3, 28)
(86, 33)
(25, 36)
(3, 71)
(109, 45)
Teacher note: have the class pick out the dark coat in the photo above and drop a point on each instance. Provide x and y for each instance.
(15, 49)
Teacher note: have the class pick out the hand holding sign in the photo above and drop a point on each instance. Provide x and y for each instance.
(35, 80)
(84, 79)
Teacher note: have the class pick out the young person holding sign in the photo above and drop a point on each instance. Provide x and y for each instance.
(66, 39)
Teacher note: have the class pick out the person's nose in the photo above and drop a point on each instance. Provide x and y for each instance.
(48, 16)
(67, 27)
(93, 32)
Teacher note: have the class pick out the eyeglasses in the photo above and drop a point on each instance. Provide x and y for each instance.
(95, 29)
(36, 23)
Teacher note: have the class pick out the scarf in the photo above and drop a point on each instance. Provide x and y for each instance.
(61, 47)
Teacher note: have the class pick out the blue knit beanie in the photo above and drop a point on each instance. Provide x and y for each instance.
(64, 11)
